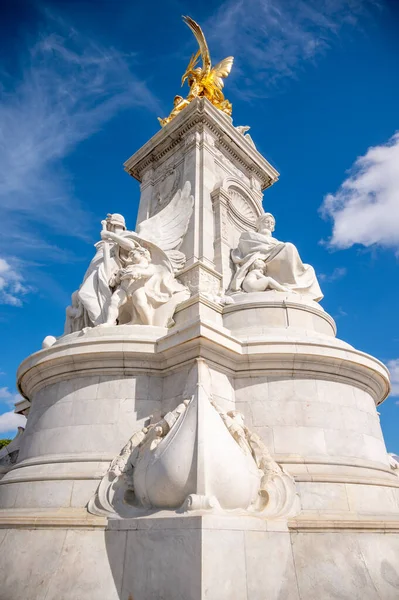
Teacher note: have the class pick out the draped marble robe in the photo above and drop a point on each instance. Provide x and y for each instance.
(283, 263)
(95, 292)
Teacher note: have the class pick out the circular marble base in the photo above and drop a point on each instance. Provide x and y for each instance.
(260, 312)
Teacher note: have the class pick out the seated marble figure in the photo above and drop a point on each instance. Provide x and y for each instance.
(263, 263)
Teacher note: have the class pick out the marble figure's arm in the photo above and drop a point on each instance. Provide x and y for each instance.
(125, 243)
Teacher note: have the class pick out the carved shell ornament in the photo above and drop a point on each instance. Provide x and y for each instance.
(240, 206)
(196, 458)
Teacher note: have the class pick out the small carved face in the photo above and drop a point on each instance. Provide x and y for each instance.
(138, 254)
(115, 223)
(267, 223)
(258, 264)
(114, 228)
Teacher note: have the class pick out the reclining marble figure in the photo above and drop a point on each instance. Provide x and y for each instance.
(263, 262)
(131, 279)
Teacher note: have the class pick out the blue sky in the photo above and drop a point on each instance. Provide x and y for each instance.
(81, 85)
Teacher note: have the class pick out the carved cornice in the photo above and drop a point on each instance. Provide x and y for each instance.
(65, 518)
(198, 114)
(337, 522)
(93, 355)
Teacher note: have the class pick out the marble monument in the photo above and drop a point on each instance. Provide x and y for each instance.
(198, 431)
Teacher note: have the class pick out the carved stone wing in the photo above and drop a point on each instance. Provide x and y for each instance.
(167, 228)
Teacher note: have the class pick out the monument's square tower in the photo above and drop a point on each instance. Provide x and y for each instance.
(216, 441)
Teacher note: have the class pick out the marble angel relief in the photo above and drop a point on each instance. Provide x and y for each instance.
(264, 263)
(131, 279)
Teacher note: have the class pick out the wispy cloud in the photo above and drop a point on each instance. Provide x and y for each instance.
(340, 313)
(12, 286)
(338, 273)
(393, 366)
(10, 398)
(272, 39)
(69, 86)
(365, 209)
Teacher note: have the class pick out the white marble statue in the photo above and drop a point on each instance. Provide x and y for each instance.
(131, 279)
(281, 268)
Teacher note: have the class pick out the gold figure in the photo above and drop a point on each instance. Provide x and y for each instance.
(203, 81)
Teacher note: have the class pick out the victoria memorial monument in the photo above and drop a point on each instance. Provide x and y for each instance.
(198, 431)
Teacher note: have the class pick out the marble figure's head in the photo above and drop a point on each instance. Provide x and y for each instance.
(115, 222)
(266, 221)
(258, 264)
(139, 253)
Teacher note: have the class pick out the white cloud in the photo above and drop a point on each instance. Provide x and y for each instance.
(393, 366)
(10, 421)
(272, 39)
(68, 88)
(12, 286)
(338, 273)
(9, 397)
(365, 209)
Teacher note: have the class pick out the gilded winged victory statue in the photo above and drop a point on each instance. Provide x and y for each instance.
(205, 81)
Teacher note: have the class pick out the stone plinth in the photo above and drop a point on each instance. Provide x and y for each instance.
(264, 314)
(310, 397)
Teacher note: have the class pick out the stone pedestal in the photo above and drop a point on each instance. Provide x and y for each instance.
(227, 176)
(273, 356)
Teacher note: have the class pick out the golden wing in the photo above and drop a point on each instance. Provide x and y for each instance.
(199, 36)
(191, 65)
(221, 70)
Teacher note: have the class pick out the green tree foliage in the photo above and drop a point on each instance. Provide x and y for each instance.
(4, 442)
